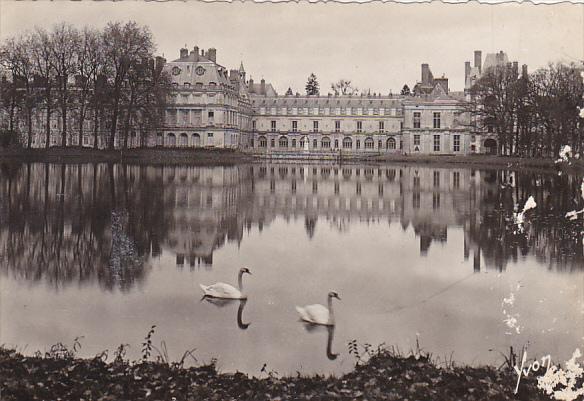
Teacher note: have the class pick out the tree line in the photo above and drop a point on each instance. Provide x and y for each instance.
(530, 115)
(107, 77)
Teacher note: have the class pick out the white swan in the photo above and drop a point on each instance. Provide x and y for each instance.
(319, 314)
(226, 291)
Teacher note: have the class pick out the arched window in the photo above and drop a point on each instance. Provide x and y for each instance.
(303, 141)
(325, 142)
(183, 140)
(171, 140)
(369, 144)
(347, 143)
(293, 143)
(391, 143)
(159, 139)
(196, 140)
(336, 143)
(263, 141)
(283, 142)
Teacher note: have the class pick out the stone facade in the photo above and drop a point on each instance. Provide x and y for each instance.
(209, 105)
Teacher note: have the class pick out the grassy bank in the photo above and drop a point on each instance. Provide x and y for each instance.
(385, 376)
(132, 156)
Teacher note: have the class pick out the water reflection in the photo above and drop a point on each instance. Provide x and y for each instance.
(104, 223)
(330, 330)
(223, 302)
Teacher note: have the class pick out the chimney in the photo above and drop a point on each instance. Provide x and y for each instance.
(443, 83)
(466, 70)
(250, 84)
(524, 70)
(184, 53)
(477, 59)
(195, 53)
(202, 53)
(426, 74)
(263, 87)
(196, 50)
(212, 54)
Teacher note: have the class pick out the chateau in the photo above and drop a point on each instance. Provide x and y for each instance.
(212, 106)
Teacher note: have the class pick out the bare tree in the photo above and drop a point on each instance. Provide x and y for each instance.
(124, 46)
(40, 48)
(14, 57)
(64, 42)
(344, 87)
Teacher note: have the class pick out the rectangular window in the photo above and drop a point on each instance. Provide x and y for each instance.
(436, 120)
(417, 118)
(416, 140)
(456, 179)
(210, 135)
(436, 178)
(273, 126)
(253, 125)
(416, 200)
(337, 126)
(315, 126)
(456, 143)
(436, 143)
(436, 200)
(211, 114)
(381, 126)
(359, 126)
(294, 126)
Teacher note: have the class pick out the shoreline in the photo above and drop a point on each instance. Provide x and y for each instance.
(384, 376)
(179, 156)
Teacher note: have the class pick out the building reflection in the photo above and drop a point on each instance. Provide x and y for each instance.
(106, 222)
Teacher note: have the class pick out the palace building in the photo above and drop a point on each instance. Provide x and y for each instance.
(211, 106)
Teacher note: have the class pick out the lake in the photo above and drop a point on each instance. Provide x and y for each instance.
(417, 254)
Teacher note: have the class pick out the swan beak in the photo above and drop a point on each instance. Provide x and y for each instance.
(337, 297)
(250, 273)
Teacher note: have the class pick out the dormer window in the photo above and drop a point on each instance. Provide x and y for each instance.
(187, 84)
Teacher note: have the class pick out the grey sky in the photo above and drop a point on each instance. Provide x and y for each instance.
(377, 46)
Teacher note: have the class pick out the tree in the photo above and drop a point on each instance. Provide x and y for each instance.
(406, 90)
(312, 85)
(40, 47)
(15, 57)
(124, 46)
(343, 87)
(91, 65)
(289, 92)
(64, 46)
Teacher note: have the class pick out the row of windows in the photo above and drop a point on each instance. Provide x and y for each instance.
(325, 143)
(418, 118)
(315, 126)
(369, 173)
(327, 171)
(436, 142)
(330, 111)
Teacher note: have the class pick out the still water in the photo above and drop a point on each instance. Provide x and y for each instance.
(416, 253)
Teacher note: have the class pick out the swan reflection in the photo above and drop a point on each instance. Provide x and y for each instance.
(223, 302)
(313, 328)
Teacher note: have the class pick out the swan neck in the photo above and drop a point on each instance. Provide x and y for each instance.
(240, 281)
(330, 308)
